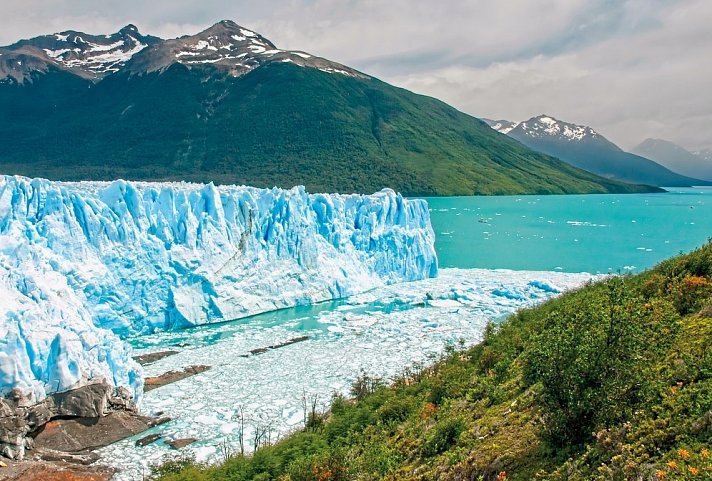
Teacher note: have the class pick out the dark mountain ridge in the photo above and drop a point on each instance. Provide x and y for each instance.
(583, 147)
(679, 159)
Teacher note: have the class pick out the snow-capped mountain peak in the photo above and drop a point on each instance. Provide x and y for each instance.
(544, 126)
(100, 54)
(227, 46)
(501, 126)
(90, 56)
(548, 126)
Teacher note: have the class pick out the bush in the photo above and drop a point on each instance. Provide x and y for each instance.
(690, 293)
(443, 435)
(330, 466)
(594, 359)
(396, 410)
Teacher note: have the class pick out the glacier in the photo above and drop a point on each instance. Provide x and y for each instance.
(85, 265)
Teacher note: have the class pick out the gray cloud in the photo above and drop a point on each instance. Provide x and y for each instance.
(629, 68)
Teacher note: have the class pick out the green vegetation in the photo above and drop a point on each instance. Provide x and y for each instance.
(611, 382)
(278, 125)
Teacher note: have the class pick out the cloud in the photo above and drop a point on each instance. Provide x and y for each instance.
(632, 85)
(629, 68)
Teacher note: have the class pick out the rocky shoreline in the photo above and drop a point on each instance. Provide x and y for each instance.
(55, 439)
(21, 419)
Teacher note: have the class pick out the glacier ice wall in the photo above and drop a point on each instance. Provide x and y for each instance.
(84, 263)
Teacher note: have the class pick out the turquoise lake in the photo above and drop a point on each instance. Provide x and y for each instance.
(572, 233)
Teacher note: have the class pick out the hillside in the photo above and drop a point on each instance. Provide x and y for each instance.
(583, 147)
(227, 106)
(679, 159)
(613, 381)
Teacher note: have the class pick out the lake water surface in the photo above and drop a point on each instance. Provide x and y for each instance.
(570, 233)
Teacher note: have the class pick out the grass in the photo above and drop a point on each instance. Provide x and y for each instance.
(609, 382)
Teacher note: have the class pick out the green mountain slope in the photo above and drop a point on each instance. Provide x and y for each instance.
(280, 124)
(611, 382)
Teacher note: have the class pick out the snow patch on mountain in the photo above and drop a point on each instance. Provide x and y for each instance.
(98, 58)
(502, 126)
(229, 45)
(547, 126)
(84, 263)
(226, 46)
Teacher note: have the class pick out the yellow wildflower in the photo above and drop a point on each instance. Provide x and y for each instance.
(693, 471)
(672, 465)
(684, 454)
(705, 453)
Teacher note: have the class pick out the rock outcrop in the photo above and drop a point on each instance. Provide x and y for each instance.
(169, 377)
(21, 420)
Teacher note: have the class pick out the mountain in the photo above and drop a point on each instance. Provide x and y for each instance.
(704, 154)
(228, 106)
(88, 56)
(583, 147)
(672, 156)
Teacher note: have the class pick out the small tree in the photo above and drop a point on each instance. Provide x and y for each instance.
(313, 419)
(594, 357)
(365, 385)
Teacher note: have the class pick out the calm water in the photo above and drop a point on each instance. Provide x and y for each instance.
(574, 233)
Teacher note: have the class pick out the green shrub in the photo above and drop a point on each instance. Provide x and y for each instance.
(594, 359)
(396, 410)
(443, 435)
(328, 466)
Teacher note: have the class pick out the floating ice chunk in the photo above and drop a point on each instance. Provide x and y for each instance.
(545, 286)
(507, 293)
(445, 303)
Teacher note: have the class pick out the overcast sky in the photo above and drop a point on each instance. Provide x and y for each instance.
(629, 68)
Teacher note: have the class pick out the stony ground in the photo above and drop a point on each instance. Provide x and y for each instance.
(44, 471)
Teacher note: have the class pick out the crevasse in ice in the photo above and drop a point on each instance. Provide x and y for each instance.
(84, 264)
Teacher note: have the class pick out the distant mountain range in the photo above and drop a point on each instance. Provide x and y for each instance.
(583, 147)
(226, 105)
(674, 157)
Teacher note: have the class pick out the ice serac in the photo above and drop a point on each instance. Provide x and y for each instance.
(83, 264)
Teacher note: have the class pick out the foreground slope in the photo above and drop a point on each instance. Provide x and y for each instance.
(613, 381)
(228, 106)
(583, 147)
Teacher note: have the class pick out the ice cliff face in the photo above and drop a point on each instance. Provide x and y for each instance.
(84, 264)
